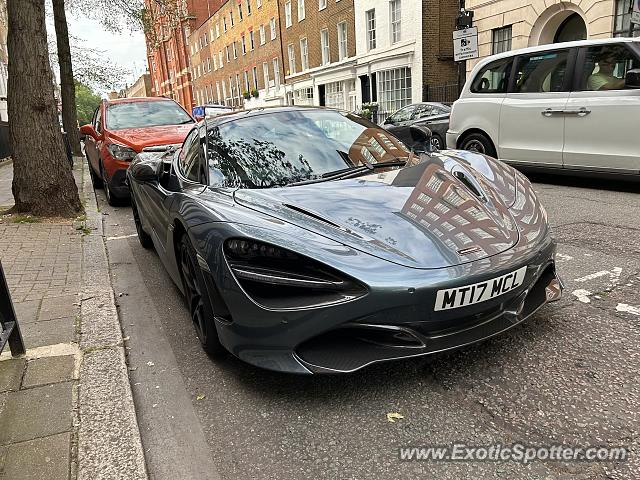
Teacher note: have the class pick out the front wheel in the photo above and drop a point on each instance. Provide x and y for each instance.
(479, 143)
(437, 142)
(195, 293)
(111, 198)
(143, 237)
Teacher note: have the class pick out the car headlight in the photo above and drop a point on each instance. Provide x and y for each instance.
(281, 279)
(120, 152)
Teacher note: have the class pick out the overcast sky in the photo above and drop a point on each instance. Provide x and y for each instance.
(126, 49)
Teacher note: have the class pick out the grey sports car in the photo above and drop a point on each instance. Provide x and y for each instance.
(310, 240)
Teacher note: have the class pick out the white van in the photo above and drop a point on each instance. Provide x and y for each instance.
(573, 106)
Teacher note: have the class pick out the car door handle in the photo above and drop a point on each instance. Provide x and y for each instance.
(549, 112)
(581, 112)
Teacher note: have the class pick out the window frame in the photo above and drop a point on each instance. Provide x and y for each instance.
(494, 42)
(302, 14)
(398, 22)
(288, 20)
(569, 76)
(326, 47)
(304, 54)
(580, 62)
(342, 56)
(370, 19)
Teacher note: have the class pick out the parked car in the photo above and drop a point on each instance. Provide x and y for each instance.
(310, 240)
(200, 112)
(563, 107)
(123, 128)
(435, 116)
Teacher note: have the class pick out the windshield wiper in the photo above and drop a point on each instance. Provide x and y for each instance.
(350, 172)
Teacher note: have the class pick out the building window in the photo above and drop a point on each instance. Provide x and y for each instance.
(247, 88)
(238, 83)
(322, 4)
(370, 16)
(248, 7)
(265, 75)
(301, 12)
(292, 59)
(263, 38)
(501, 40)
(276, 73)
(272, 26)
(231, 17)
(334, 95)
(224, 23)
(244, 45)
(304, 54)
(396, 24)
(224, 90)
(259, 3)
(228, 56)
(252, 44)
(254, 74)
(235, 50)
(303, 96)
(220, 62)
(217, 30)
(623, 20)
(324, 46)
(394, 89)
(240, 12)
(342, 40)
(287, 14)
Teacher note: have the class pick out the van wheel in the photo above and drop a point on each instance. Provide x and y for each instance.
(478, 142)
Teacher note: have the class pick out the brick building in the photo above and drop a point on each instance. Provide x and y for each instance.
(236, 55)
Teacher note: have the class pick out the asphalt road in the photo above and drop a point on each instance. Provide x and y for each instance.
(567, 376)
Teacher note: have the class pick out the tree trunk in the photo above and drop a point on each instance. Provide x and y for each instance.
(43, 183)
(67, 86)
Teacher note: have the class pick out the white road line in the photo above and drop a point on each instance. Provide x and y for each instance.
(122, 237)
(614, 274)
(582, 295)
(624, 307)
(561, 257)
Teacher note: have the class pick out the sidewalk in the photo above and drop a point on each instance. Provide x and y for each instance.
(66, 409)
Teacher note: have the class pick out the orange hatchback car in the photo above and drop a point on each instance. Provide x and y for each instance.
(121, 129)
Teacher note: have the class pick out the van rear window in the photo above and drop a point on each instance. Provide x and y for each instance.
(494, 78)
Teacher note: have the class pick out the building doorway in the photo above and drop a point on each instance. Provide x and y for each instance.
(571, 29)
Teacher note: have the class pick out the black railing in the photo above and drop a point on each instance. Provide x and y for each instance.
(9, 329)
(447, 93)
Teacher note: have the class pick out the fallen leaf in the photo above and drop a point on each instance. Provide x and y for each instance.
(393, 416)
(200, 396)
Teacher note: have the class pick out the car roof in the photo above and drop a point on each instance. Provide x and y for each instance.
(254, 112)
(554, 46)
(139, 99)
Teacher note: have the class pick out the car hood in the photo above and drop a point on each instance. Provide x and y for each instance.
(421, 216)
(139, 138)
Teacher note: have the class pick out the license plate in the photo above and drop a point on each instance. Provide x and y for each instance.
(479, 292)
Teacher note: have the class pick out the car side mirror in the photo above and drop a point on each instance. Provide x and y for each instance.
(146, 171)
(388, 121)
(421, 136)
(89, 130)
(632, 79)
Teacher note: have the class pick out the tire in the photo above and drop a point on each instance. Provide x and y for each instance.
(143, 237)
(436, 141)
(478, 142)
(111, 198)
(195, 292)
(96, 181)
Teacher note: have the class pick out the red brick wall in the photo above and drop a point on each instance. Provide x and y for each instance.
(438, 22)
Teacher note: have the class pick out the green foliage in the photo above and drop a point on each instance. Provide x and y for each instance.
(86, 102)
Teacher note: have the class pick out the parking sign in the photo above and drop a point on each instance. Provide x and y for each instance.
(465, 44)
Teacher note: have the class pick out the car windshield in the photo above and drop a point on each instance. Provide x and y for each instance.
(276, 149)
(121, 116)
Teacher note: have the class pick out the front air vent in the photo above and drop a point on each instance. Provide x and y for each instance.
(310, 214)
(470, 184)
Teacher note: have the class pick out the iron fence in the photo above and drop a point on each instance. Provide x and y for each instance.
(9, 329)
(446, 93)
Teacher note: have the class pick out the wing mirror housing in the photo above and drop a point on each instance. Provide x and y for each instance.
(421, 137)
(632, 79)
(146, 172)
(90, 131)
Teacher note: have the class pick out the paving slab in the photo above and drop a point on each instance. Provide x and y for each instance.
(36, 412)
(46, 370)
(11, 374)
(50, 332)
(40, 459)
(27, 312)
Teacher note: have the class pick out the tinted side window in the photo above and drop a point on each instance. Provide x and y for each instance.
(494, 78)
(189, 156)
(403, 115)
(542, 72)
(424, 111)
(605, 67)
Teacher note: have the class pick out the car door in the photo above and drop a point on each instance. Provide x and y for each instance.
(601, 129)
(532, 119)
(90, 146)
(398, 124)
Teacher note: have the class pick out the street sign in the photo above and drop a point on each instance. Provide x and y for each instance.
(465, 44)
(635, 14)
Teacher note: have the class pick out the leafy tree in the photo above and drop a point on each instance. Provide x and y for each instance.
(43, 183)
(86, 102)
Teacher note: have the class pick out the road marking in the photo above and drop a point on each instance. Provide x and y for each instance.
(624, 307)
(613, 274)
(561, 257)
(122, 237)
(582, 295)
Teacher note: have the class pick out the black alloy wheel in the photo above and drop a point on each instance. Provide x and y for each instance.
(198, 302)
(478, 143)
(111, 200)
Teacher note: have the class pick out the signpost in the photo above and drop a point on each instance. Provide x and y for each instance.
(465, 44)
